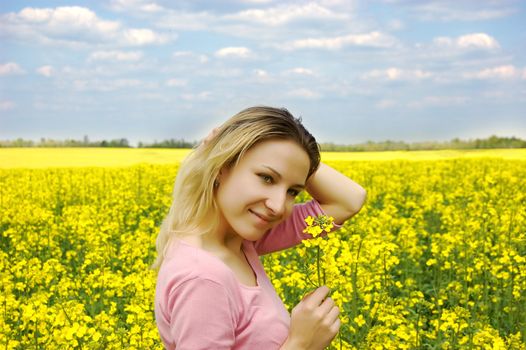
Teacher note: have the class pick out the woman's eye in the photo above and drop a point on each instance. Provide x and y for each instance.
(266, 178)
(293, 193)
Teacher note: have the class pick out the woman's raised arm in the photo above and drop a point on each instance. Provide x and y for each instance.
(338, 195)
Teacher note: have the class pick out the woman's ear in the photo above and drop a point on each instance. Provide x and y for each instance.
(217, 180)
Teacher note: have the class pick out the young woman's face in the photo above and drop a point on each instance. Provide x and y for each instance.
(258, 193)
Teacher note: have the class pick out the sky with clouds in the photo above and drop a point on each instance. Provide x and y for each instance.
(353, 70)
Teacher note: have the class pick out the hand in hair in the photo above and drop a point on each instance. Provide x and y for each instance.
(210, 136)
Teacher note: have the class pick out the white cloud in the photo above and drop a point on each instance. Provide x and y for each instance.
(236, 52)
(179, 20)
(395, 24)
(393, 74)
(135, 5)
(480, 41)
(284, 14)
(261, 73)
(114, 55)
(6, 105)
(500, 72)
(439, 101)
(304, 93)
(188, 55)
(461, 11)
(139, 37)
(107, 85)
(68, 18)
(477, 40)
(174, 82)
(262, 76)
(74, 26)
(259, 2)
(46, 71)
(372, 39)
(299, 71)
(386, 103)
(201, 96)
(10, 68)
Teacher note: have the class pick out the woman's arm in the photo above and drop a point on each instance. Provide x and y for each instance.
(338, 195)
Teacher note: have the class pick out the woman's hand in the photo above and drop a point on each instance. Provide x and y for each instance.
(314, 322)
(210, 136)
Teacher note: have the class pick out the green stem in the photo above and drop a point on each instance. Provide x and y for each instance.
(318, 265)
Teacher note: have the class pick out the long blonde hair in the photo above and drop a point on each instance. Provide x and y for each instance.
(194, 210)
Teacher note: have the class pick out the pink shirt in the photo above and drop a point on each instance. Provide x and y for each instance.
(200, 304)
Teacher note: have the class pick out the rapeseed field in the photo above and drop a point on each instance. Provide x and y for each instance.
(436, 259)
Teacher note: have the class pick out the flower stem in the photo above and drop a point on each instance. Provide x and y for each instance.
(318, 265)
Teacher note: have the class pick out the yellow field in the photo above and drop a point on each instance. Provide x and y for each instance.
(436, 259)
(116, 157)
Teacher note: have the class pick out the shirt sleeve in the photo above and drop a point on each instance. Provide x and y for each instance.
(201, 316)
(289, 233)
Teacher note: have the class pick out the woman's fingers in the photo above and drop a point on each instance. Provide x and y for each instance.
(211, 135)
(333, 315)
(326, 305)
(315, 298)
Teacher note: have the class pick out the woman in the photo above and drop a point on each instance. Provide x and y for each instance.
(233, 200)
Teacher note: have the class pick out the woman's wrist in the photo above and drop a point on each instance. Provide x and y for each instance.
(292, 344)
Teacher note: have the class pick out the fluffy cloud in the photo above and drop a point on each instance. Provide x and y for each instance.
(461, 11)
(190, 56)
(386, 103)
(127, 56)
(138, 37)
(135, 5)
(107, 85)
(264, 23)
(439, 101)
(201, 96)
(481, 41)
(500, 72)
(372, 39)
(10, 68)
(261, 74)
(284, 14)
(6, 105)
(46, 71)
(299, 71)
(74, 26)
(180, 20)
(176, 82)
(258, 2)
(234, 52)
(304, 93)
(393, 74)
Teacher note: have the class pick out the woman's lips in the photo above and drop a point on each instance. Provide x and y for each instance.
(261, 217)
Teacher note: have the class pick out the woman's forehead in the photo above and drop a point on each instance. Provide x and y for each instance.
(281, 155)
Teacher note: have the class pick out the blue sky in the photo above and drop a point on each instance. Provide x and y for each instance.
(353, 70)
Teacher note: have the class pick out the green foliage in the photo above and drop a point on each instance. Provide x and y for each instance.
(456, 143)
(85, 142)
(369, 146)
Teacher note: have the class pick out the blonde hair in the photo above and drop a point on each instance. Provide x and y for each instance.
(194, 210)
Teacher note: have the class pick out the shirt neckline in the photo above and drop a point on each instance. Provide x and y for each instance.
(207, 253)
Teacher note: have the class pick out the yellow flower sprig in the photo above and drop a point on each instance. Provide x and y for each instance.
(315, 227)
(319, 224)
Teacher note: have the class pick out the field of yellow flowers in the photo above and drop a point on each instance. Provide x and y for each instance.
(436, 259)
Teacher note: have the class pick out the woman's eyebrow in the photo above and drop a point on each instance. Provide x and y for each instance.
(302, 186)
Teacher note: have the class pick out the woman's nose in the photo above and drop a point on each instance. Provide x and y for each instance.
(276, 202)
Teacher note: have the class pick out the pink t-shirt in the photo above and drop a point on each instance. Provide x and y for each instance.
(200, 304)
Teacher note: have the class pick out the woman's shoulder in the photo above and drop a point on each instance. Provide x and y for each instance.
(185, 262)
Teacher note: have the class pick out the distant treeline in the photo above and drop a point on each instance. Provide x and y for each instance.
(116, 143)
(490, 142)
